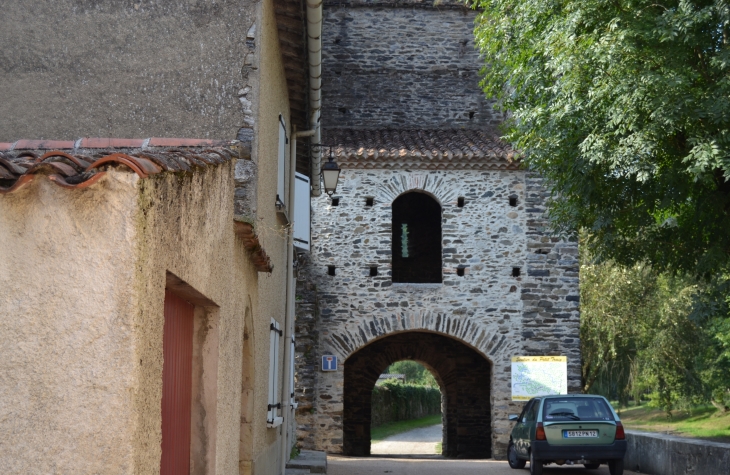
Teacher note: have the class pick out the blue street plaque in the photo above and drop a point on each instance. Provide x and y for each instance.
(329, 363)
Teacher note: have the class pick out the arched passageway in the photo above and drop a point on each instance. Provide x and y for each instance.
(416, 245)
(464, 376)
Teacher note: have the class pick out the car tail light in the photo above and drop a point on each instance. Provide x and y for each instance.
(540, 434)
(620, 434)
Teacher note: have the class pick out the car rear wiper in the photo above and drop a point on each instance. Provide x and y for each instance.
(566, 414)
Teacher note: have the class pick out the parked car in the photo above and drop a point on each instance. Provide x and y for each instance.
(569, 429)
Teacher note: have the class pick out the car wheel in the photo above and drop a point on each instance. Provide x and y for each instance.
(536, 466)
(616, 467)
(591, 466)
(512, 458)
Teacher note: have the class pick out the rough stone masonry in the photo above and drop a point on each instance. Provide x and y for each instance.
(508, 287)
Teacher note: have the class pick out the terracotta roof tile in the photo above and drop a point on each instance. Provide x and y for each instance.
(246, 232)
(81, 167)
(420, 148)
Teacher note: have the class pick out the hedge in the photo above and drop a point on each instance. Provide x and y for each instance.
(395, 401)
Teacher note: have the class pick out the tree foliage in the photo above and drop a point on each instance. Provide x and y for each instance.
(656, 335)
(624, 106)
(416, 373)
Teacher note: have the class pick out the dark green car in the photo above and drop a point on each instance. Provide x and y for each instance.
(568, 429)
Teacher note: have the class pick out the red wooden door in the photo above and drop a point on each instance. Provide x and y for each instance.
(177, 377)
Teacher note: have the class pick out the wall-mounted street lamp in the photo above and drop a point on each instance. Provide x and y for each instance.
(330, 174)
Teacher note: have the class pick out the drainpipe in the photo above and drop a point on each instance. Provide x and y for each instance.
(314, 46)
(286, 400)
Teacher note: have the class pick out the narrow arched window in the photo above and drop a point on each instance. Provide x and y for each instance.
(416, 239)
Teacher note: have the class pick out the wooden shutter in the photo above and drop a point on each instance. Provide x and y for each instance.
(272, 417)
(302, 212)
(281, 176)
(177, 376)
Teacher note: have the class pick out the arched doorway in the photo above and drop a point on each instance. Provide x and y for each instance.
(416, 240)
(464, 376)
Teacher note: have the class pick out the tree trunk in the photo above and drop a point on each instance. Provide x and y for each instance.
(720, 407)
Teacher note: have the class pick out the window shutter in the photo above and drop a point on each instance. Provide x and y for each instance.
(274, 405)
(291, 372)
(302, 212)
(281, 178)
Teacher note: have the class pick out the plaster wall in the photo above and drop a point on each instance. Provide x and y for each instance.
(84, 274)
(80, 68)
(272, 228)
(487, 309)
(401, 65)
(664, 454)
(185, 227)
(69, 383)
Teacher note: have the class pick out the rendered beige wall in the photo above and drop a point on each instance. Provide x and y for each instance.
(185, 227)
(67, 324)
(83, 274)
(272, 101)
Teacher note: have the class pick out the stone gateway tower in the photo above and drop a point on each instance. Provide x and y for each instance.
(435, 247)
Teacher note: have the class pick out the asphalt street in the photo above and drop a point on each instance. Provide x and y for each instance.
(340, 465)
(398, 455)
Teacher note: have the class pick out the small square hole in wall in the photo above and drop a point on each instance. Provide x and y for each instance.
(515, 272)
(373, 271)
(513, 201)
(330, 270)
(460, 202)
(460, 271)
(335, 202)
(369, 201)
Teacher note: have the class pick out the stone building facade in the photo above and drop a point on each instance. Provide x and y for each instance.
(406, 120)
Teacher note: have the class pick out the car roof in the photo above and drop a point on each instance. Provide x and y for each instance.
(562, 396)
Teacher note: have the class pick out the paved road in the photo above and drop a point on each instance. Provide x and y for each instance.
(417, 441)
(339, 465)
(423, 441)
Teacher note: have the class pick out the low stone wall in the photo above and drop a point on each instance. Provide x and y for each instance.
(661, 454)
(387, 406)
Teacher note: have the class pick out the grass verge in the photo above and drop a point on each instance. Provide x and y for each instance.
(702, 422)
(381, 432)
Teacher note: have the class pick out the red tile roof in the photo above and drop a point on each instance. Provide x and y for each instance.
(421, 148)
(247, 233)
(79, 164)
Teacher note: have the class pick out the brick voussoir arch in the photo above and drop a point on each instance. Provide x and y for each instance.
(348, 338)
(403, 182)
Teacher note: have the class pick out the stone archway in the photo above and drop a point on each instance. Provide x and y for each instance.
(465, 377)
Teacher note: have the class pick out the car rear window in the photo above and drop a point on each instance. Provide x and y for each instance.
(576, 409)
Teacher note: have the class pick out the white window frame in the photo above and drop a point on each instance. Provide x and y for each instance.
(273, 417)
(281, 171)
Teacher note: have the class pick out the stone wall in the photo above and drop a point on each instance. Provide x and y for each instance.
(487, 309)
(401, 65)
(306, 345)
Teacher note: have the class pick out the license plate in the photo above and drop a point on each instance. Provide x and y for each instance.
(568, 434)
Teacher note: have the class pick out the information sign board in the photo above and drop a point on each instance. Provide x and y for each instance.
(538, 376)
